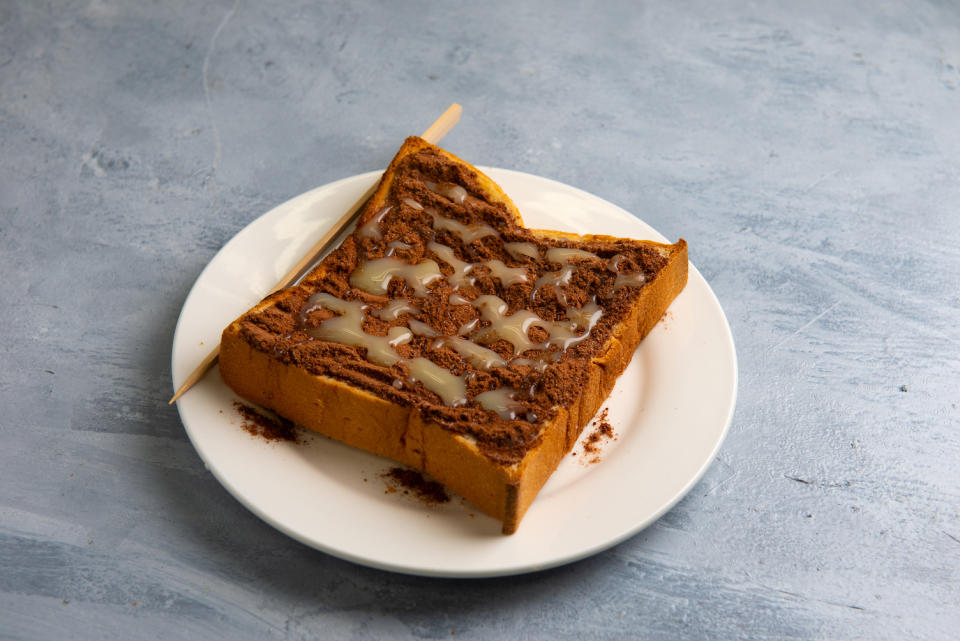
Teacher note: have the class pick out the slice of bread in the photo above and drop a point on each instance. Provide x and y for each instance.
(446, 336)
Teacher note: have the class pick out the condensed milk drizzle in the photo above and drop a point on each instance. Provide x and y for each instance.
(460, 268)
(456, 193)
(467, 233)
(372, 227)
(522, 249)
(540, 363)
(624, 279)
(562, 256)
(560, 277)
(502, 401)
(397, 245)
(634, 279)
(512, 328)
(567, 254)
(374, 276)
(585, 317)
(452, 389)
(393, 310)
(479, 357)
(565, 336)
(420, 328)
(347, 329)
(507, 275)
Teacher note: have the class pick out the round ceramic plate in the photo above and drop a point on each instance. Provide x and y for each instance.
(670, 411)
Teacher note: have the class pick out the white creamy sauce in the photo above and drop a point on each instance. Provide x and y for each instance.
(460, 268)
(502, 401)
(374, 276)
(522, 249)
(422, 329)
(507, 275)
(566, 254)
(452, 389)
(456, 193)
(512, 328)
(372, 227)
(479, 357)
(347, 329)
(467, 233)
(393, 310)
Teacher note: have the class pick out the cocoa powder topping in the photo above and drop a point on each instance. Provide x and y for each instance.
(270, 429)
(601, 433)
(414, 482)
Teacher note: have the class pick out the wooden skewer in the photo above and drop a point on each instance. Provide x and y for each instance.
(440, 127)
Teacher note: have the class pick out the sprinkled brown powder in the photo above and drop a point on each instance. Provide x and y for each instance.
(271, 429)
(413, 482)
(665, 319)
(602, 431)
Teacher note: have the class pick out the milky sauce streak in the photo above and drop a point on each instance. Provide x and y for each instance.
(565, 336)
(558, 278)
(456, 193)
(522, 249)
(422, 329)
(586, 317)
(469, 326)
(563, 257)
(507, 275)
(479, 357)
(393, 309)
(395, 245)
(467, 233)
(347, 329)
(628, 279)
(372, 227)
(460, 268)
(540, 363)
(565, 254)
(633, 279)
(374, 276)
(512, 328)
(502, 401)
(448, 386)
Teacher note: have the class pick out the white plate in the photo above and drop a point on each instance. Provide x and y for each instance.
(670, 409)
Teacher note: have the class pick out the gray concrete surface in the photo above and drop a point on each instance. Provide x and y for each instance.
(807, 151)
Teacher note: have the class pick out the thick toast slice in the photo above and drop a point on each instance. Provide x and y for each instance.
(446, 336)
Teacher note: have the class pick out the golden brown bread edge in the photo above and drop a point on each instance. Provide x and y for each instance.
(361, 419)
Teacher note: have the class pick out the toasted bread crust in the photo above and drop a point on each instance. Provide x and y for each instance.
(364, 420)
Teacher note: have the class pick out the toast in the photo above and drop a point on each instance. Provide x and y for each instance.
(445, 335)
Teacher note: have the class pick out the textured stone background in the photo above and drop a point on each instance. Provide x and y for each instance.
(807, 151)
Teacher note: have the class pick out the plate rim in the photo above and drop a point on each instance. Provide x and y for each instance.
(419, 570)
